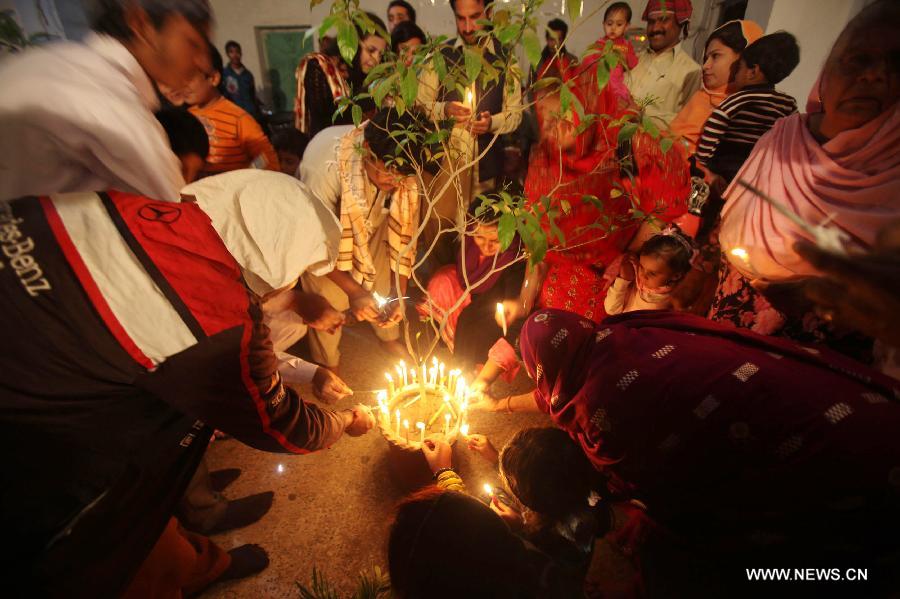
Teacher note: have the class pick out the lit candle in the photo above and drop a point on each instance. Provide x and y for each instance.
(397, 413)
(448, 404)
(424, 374)
(406, 426)
(390, 381)
(402, 369)
(464, 431)
(441, 371)
(412, 376)
(421, 427)
(446, 423)
(432, 374)
(501, 312)
(489, 490)
(470, 97)
(460, 388)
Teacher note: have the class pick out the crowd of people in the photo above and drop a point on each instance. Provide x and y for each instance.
(711, 331)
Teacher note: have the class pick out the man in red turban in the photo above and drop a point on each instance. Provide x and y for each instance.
(666, 74)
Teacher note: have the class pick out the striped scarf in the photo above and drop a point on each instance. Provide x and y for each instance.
(356, 229)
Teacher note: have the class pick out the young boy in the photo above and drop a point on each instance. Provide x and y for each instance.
(753, 106)
(238, 83)
(236, 141)
(290, 145)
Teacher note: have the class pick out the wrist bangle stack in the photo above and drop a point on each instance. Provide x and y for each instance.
(440, 471)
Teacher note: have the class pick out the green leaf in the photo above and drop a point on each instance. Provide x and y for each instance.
(626, 132)
(347, 40)
(538, 248)
(357, 114)
(545, 82)
(650, 127)
(565, 98)
(440, 66)
(602, 74)
(665, 144)
(507, 33)
(574, 7)
(555, 230)
(382, 88)
(410, 87)
(532, 47)
(615, 193)
(506, 230)
(327, 24)
(473, 64)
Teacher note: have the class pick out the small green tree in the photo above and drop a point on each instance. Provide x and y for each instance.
(396, 83)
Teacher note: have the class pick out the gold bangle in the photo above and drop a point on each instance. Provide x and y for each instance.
(508, 407)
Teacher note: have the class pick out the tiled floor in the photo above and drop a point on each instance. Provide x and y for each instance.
(332, 509)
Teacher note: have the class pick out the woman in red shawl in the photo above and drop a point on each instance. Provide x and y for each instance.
(566, 166)
(759, 438)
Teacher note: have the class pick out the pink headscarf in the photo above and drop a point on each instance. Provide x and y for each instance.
(853, 178)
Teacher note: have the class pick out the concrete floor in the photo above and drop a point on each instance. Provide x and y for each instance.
(333, 509)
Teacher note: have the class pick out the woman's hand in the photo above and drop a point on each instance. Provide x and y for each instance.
(483, 402)
(481, 445)
(512, 518)
(482, 124)
(437, 452)
(513, 310)
(626, 271)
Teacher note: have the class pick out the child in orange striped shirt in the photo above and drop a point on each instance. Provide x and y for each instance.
(236, 140)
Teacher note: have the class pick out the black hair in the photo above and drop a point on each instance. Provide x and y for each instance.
(731, 35)
(776, 54)
(672, 246)
(406, 5)
(290, 140)
(108, 16)
(232, 44)
(185, 132)
(548, 472)
(453, 4)
(405, 31)
(383, 136)
(617, 6)
(561, 26)
(445, 544)
(216, 59)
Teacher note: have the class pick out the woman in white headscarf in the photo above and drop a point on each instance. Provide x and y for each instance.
(277, 229)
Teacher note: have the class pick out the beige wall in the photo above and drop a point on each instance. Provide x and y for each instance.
(236, 19)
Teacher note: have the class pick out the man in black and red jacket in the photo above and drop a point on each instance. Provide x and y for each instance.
(128, 333)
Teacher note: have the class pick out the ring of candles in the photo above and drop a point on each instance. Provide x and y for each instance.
(420, 401)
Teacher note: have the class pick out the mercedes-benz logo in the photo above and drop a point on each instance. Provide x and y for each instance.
(162, 214)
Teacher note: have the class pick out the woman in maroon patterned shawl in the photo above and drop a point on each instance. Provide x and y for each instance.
(757, 438)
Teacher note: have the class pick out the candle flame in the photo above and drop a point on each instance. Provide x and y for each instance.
(379, 299)
(382, 396)
(388, 376)
(741, 253)
(405, 423)
(499, 308)
(420, 426)
(469, 97)
(447, 417)
(464, 429)
(280, 468)
(489, 489)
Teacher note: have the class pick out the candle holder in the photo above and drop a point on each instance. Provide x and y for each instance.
(429, 397)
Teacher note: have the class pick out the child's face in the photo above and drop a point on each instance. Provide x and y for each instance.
(234, 55)
(289, 162)
(407, 49)
(742, 76)
(201, 89)
(653, 272)
(487, 240)
(615, 24)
